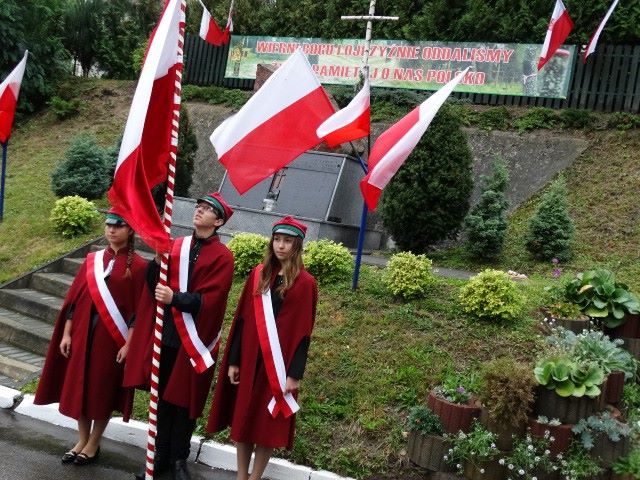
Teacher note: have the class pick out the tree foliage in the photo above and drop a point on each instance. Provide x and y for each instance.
(427, 199)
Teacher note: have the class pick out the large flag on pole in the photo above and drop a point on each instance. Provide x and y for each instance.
(559, 28)
(275, 126)
(9, 91)
(211, 32)
(146, 144)
(591, 46)
(350, 123)
(395, 144)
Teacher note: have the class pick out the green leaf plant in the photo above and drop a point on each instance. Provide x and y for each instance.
(569, 378)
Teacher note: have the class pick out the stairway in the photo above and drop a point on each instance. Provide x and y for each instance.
(29, 306)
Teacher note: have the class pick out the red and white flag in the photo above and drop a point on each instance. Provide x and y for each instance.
(275, 126)
(350, 123)
(394, 145)
(591, 46)
(559, 28)
(211, 32)
(147, 142)
(9, 91)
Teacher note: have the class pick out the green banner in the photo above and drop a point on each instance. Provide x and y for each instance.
(496, 68)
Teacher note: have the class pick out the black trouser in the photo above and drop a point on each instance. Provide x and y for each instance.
(174, 425)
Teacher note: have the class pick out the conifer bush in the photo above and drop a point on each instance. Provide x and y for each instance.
(551, 228)
(408, 275)
(486, 224)
(84, 171)
(491, 295)
(328, 261)
(73, 216)
(248, 251)
(428, 198)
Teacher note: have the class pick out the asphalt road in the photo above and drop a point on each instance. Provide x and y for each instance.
(31, 450)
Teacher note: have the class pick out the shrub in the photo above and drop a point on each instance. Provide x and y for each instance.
(551, 228)
(64, 109)
(486, 224)
(229, 97)
(491, 295)
(73, 216)
(577, 464)
(494, 118)
(248, 250)
(576, 118)
(328, 261)
(83, 171)
(623, 121)
(422, 420)
(537, 117)
(408, 275)
(628, 465)
(428, 198)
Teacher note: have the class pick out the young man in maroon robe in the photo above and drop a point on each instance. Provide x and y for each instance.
(192, 323)
(266, 352)
(91, 338)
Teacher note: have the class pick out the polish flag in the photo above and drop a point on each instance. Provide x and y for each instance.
(350, 123)
(147, 142)
(591, 47)
(394, 145)
(275, 126)
(9, 91)
(559, 28)
(211, 32)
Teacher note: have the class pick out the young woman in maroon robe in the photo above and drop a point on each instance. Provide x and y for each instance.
(85, 361)
(251, 396)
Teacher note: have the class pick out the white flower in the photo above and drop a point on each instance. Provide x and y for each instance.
(534, 478)
(482, 470)
(493, 445)
(451, 450)
(510, 467)
(501, 461)
(552, 439)
(537, 459)
(521, 472)
(547, 452)
(446, 457)
(530, 447)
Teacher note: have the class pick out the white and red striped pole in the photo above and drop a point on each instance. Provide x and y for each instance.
(164, 262)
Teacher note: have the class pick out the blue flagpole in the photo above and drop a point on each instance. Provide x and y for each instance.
(361, 233)
(4, 169)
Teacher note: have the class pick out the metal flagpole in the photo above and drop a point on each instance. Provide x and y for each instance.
(365, 62)
(4, 169)
(164, 262)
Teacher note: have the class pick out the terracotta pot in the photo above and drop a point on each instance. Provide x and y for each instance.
(608, 451)
(629, 329)
(565, 409)
(484, 470)
(503, 430)
(428, 451)
(454, 416)
(561, 434)
(615, 385)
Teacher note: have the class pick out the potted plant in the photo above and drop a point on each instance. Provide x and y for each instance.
(506, 391)
(606, 437)
(559, 434)
(577, 464)
(529, 460)
(561, 312)
(474, 454)
(453, 401)
(627, 467)
(426, 446)
(569, 390)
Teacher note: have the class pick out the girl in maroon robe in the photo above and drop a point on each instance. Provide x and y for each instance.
(85, 361)
(246, 384)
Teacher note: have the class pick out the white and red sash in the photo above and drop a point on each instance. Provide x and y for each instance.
(103, 300)
(200, 355)
(271, 352)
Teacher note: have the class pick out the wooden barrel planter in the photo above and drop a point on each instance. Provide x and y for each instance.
(454, 416)
(504, 431)
(632, 345)
(629, 329)
(565, 409)
(576, 325)
(615, 385)
(484, 470)
(607, 451)
(428, 451)
(562, 435)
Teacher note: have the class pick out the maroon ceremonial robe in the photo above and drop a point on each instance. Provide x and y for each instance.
(244, 406)
(89, 382)
(211, 276)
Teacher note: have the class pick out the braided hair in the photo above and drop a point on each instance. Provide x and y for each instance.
(131, 249)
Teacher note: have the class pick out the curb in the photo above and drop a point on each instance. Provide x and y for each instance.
(206, 452)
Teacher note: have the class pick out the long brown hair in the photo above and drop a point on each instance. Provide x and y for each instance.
(131, 249)
(290, 268)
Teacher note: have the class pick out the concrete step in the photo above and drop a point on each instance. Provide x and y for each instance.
(71, 265)
(24, 332)
(54, 283)
(19, 364)
(42, 306)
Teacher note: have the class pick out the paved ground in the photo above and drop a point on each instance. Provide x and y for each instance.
(31, 450)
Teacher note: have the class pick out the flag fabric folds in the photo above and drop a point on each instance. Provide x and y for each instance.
(559, 28)
(394, 145)
(9, 91)
(593, 41)
(147, 142)
(275, 126)
(350, 123)
(211, 32)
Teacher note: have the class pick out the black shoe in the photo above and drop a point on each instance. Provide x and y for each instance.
(83, 459)
(179, 470)
(159, 467)
(69, 457)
